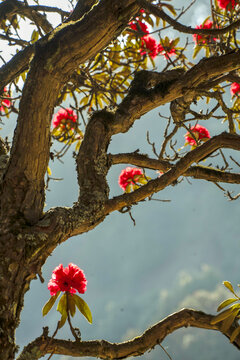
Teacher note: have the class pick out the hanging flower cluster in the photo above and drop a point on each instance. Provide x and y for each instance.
(65, 127)
(203, 39)
(139, 25)
(149, 44)
(64, 118)
(199, 132)
(5, 103)
(68, 280)
(235, 89)
(131, 179)
(227, 4)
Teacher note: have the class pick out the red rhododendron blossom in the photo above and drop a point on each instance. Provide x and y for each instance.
(129, 176)
(166, 52)
(202, 39)
(64, 117)
(200, 133)
(5, 102)
(223, 4)
(235, 88)
(150, 46)
(143, 26)
(70, 278)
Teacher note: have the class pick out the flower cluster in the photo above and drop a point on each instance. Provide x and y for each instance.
(139, 25)
(227, 4)
(70, 278)
(64, 118)
(199, 132)
(235, 89)
(203, 39)
(130, 178)
(149, 45)
(5, 102)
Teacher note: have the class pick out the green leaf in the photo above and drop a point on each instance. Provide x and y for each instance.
(226, 303)
(235, 333)
(222, 316)
(229, 286)
(62, 305)
(71, 304)
(83, 308)
(196, 51)
(35, 36)
(63, 320)
(228, 322)
(49, 304)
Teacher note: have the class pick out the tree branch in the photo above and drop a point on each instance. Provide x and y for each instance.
(10, 7)
(158, 12)
(197, 172)
(56, 57)
(223, 140)
(141, 99)
(135, 347)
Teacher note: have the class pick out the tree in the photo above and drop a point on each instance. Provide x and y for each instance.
(97, 60)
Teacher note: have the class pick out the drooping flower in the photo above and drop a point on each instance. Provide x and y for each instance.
(129, 176)
(135, 26)
(64, 118)
(224, 4)
(149, 45)
(235, 89)
(200, 133)
(203, 39)
(70, 278)
(5, 102)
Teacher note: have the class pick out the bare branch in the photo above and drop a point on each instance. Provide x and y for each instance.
(135, 347)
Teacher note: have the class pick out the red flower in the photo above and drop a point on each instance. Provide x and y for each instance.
(235, 88)
(5, 102)
(70, 278)
(166, 52)
(223, 4)
(64, 117)
(143, 26)
(203, 39)
(149, 44)
(200, 133)
(129, 176)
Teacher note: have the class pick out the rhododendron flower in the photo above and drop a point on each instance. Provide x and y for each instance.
(149, 44)
(203, 39)
(70, 278)
(200, 133)
(5, 102)
(235, 88)
(129, 176)
(64, 117)
(223, 4)
(143, 26)
(165, 51)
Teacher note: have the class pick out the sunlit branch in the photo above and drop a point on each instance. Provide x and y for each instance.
(158, 12)
(135, 347)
